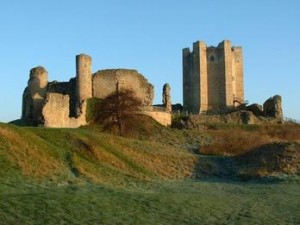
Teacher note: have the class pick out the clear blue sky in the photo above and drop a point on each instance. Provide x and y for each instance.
(149, 36)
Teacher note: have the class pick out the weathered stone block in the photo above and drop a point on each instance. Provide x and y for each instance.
(166, 98)
(56, 112)
(273, 107)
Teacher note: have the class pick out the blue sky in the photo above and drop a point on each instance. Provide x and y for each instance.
(149, 36)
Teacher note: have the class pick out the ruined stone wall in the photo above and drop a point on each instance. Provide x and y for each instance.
(66, 88)
(59, 87)
(56, 112)
(164, 118)
(105, 83)
(273, 107)
(63, 104)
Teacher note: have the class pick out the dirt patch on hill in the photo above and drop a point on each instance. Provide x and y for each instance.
(267, 160)
(270, 159)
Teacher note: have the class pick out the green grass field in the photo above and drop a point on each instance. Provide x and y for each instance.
(173, 202)
(80, 176)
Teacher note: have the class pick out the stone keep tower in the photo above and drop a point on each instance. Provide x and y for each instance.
(212, 77)
(83, 80)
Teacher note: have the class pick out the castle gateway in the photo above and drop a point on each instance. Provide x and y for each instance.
(212, 77)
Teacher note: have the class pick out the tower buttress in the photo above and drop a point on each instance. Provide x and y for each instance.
(186, 77)
(203, 86)
(228, 67)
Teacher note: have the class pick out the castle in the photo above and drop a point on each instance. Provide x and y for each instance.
(212, 84)
(64, 104)
(212, 78)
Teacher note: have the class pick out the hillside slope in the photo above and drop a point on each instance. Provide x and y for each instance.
(83, 176)
(71, 155)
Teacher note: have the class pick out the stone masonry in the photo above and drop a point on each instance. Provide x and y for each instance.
(105, 81)
(166, 98)
(212, 78)
(34, 95)
(83, 80)
(63, 104)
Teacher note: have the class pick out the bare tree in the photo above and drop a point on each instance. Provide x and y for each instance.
(117, 109)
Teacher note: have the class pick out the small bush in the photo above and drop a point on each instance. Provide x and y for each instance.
(92, 108)
(179, 121)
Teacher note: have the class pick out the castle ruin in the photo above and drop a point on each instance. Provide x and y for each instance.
(212, 78)
(64, 104)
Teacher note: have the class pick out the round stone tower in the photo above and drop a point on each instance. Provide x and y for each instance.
(34, 96)
(83, 80)
(37, 83)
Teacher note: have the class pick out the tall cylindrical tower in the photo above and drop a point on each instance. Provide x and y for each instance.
(83, 80)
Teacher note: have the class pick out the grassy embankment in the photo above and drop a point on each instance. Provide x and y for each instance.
(81, 176)
(71, 155)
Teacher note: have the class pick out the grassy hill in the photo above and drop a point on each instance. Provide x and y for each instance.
(71, 155)
(154, 175)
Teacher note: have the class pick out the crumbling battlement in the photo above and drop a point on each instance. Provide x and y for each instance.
(63, 104)
(105, 81)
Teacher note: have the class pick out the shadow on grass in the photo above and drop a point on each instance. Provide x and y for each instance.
(73, 169)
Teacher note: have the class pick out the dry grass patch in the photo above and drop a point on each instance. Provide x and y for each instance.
(287, 132)
(28, 153)
(233, 142)
(236, 140)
